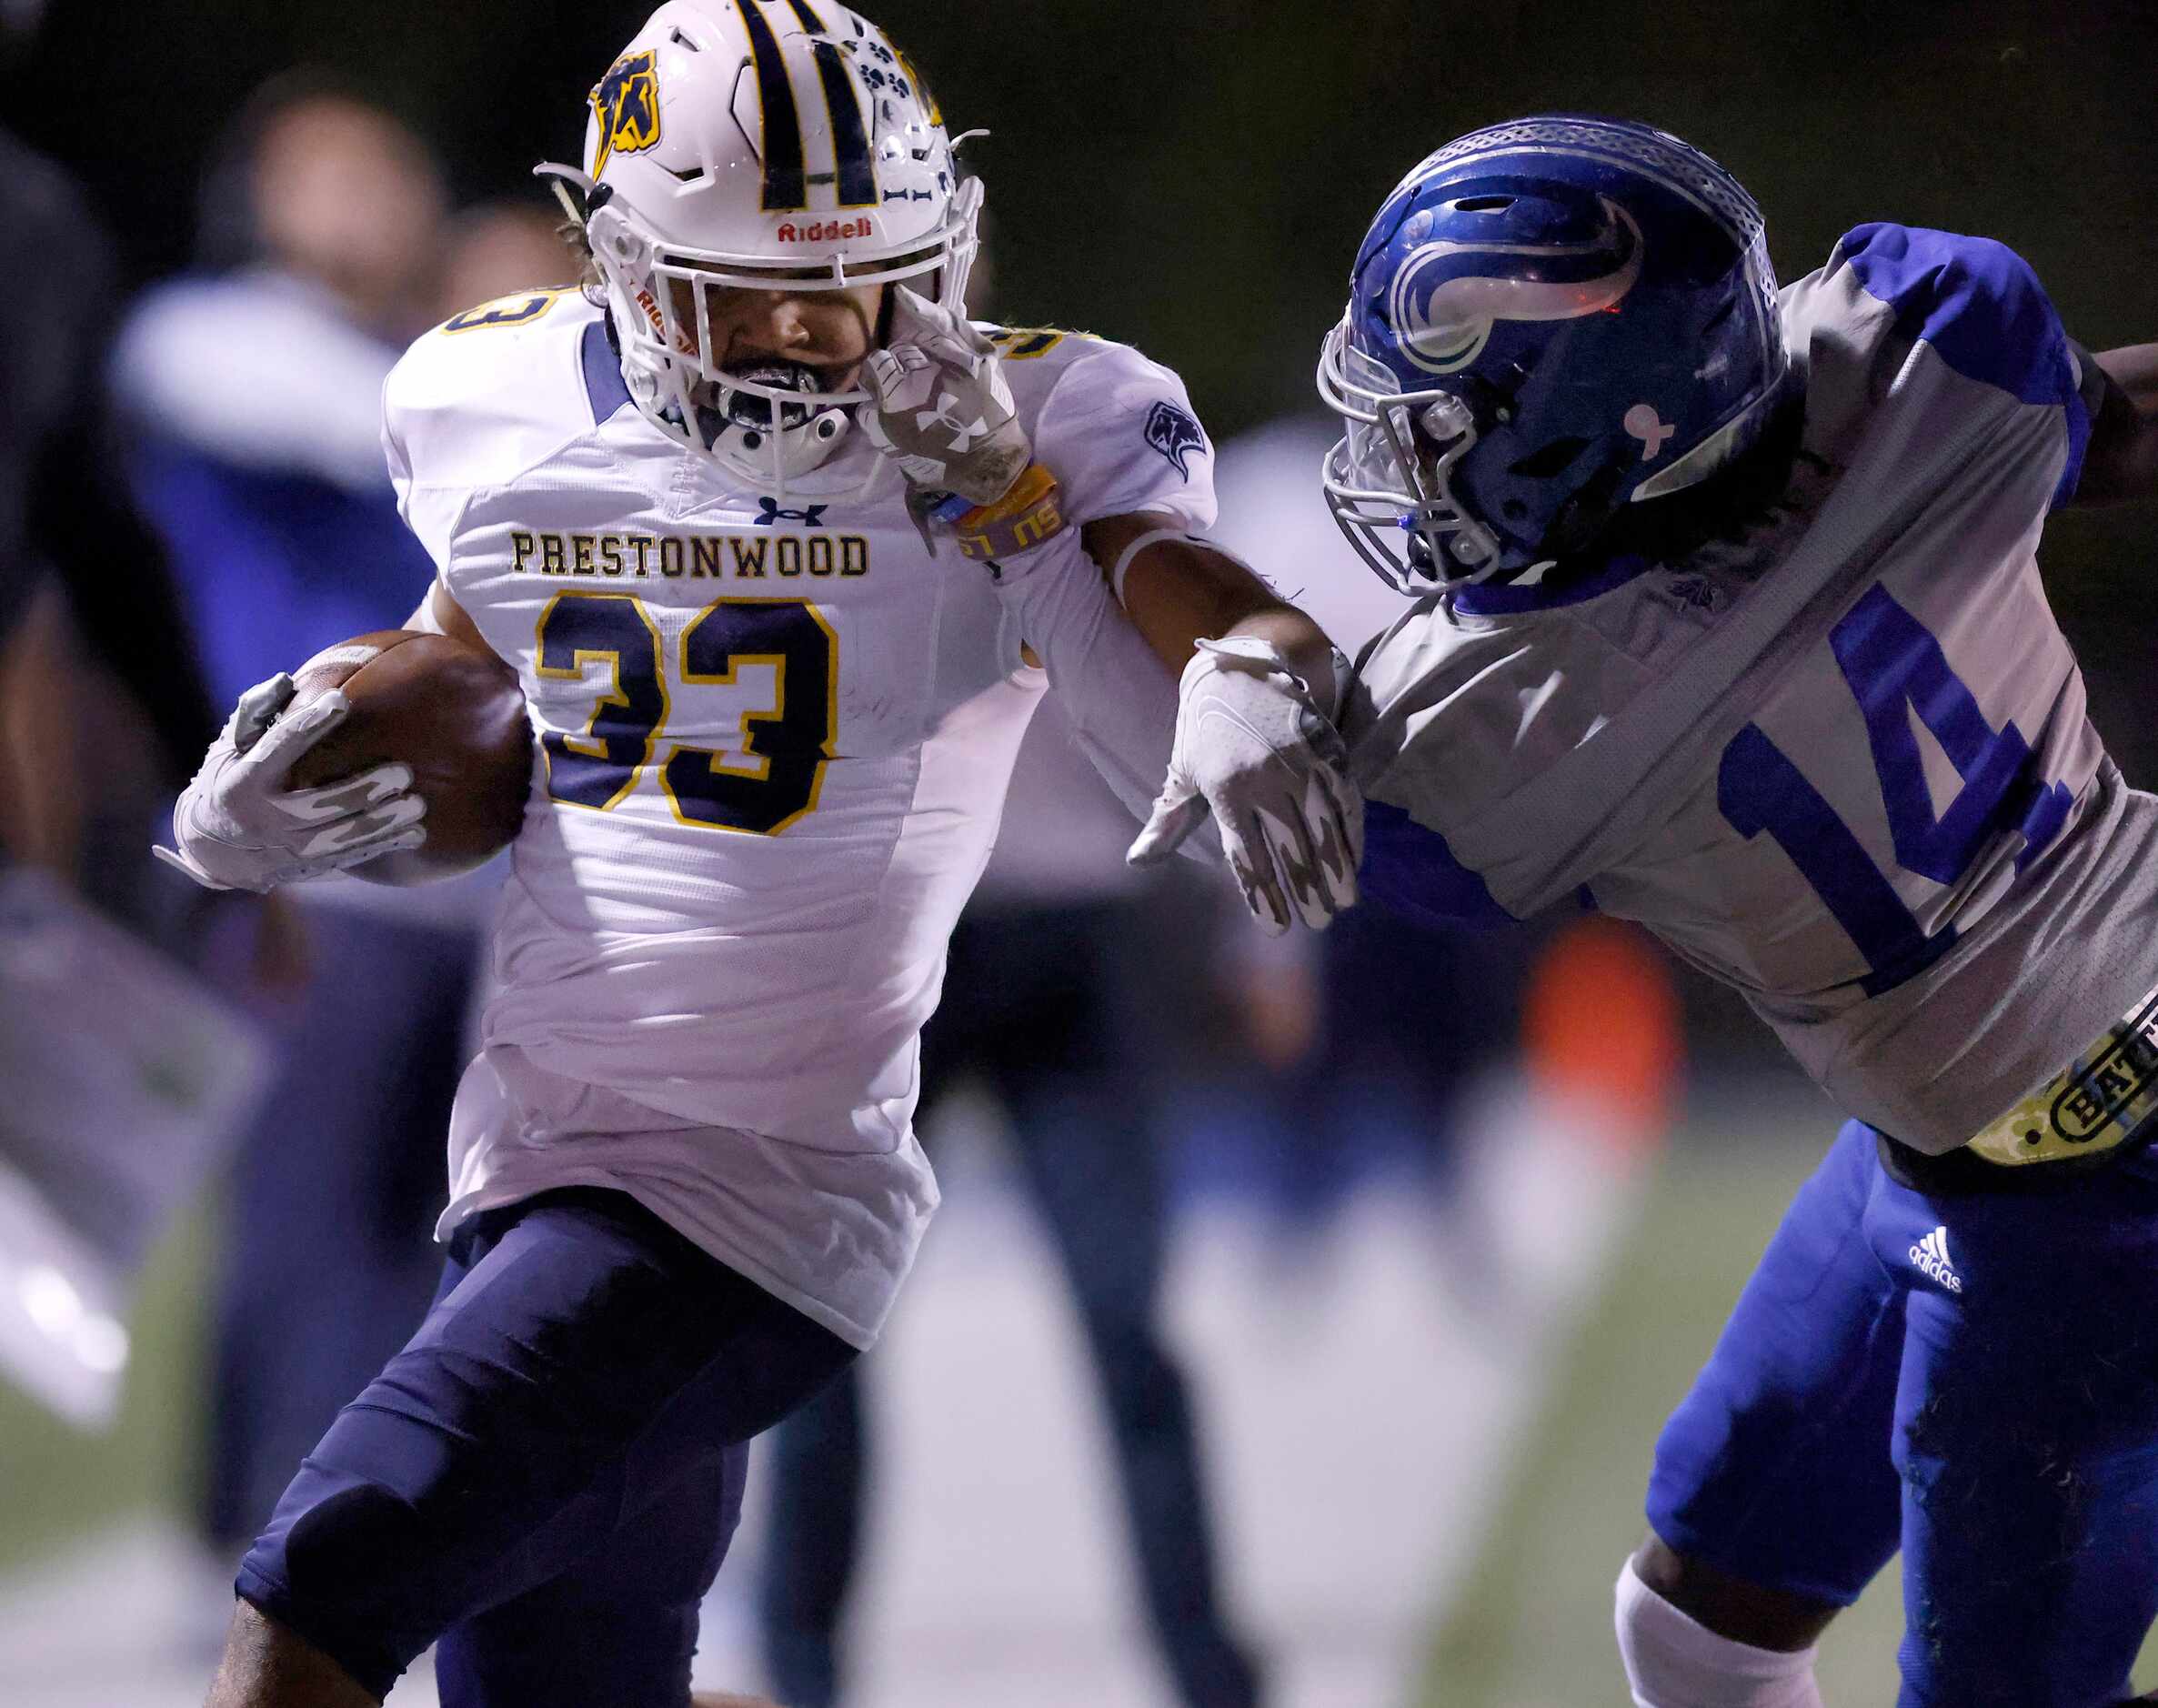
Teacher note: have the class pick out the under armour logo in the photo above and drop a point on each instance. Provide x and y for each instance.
(769, 512)
(963, 434)
(1645, 424)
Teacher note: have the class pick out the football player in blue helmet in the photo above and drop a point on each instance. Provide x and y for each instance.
(1550, 321)
(1701, 569)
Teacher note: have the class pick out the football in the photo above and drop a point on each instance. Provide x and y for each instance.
(451, 712)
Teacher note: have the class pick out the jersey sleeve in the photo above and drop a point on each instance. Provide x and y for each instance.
(429, 511)
(1980, 307)
(485, 395)
(1119, 433)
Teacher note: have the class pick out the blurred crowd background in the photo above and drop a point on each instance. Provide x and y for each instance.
(1302, 1314)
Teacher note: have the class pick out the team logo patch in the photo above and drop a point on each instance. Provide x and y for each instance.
(1448, 296)
(1173, 433)
(769, 514)
(626, 104)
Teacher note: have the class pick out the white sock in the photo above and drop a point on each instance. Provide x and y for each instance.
(1673, 1662)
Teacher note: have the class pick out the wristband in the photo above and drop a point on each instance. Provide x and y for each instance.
(1024, 518)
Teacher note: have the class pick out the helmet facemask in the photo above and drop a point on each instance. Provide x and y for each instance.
(662, 297)
(1388, 478)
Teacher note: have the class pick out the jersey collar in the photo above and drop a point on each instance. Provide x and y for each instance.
(1506, 599)
(604, 385)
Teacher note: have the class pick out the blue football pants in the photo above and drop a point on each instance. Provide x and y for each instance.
(1971, 1377)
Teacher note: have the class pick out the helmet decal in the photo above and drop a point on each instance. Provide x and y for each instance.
(1447, 297)
(856, 168)
(1651, 429)
(786, 179)
(786, 176)
(626, 102)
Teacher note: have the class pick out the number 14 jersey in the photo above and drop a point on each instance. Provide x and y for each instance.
(1840, 761)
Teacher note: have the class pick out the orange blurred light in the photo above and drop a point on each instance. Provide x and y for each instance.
(1600, 1031)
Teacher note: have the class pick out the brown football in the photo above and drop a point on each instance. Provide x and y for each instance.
(451, 712)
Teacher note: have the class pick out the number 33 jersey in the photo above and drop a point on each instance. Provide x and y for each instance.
(773, 733)
(1838, 759)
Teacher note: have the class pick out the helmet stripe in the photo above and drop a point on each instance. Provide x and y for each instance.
(850, 137)
(786, 183)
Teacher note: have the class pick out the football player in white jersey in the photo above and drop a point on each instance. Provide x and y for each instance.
(784, 552)
(1726, 620)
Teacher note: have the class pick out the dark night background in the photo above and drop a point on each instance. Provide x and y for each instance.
(1194, 176)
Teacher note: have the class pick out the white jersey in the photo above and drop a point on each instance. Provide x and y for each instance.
(772, 741)
(1841, 763)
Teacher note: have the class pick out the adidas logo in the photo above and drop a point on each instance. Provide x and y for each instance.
(1931, 1255)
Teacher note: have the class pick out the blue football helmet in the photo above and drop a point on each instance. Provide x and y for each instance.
(1549, 319)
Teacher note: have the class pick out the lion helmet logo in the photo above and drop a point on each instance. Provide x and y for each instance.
(626, 104)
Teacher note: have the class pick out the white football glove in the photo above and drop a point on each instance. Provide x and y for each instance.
(943, 410)
(1253, 747)
(238, 827)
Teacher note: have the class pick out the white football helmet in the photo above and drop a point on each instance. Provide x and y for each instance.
(767, 144)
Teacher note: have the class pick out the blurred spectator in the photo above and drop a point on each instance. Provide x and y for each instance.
(89, 663)
(1371, 1031)
(254, 393)
(499, 247)
(1051, 1000)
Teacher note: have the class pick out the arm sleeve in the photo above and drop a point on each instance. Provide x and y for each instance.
(1120, 699)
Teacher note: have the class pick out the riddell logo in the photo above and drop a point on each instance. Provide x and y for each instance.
(1931, 1255)
(684, 344)
(826, 230)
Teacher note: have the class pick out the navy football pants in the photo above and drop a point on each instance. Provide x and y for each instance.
(546, 1477)
(1974, 1378)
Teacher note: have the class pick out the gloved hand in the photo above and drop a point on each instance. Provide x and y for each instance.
(238, 827)
(943, 411)
(1253, 747)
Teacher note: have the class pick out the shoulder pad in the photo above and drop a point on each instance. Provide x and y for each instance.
(1975, 301)
(498, 388)
(1116, 426)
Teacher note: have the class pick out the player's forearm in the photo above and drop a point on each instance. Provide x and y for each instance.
(2135, 368)
(2121, 461)
(439, 614)
(1178, 593)
(1299, 640)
